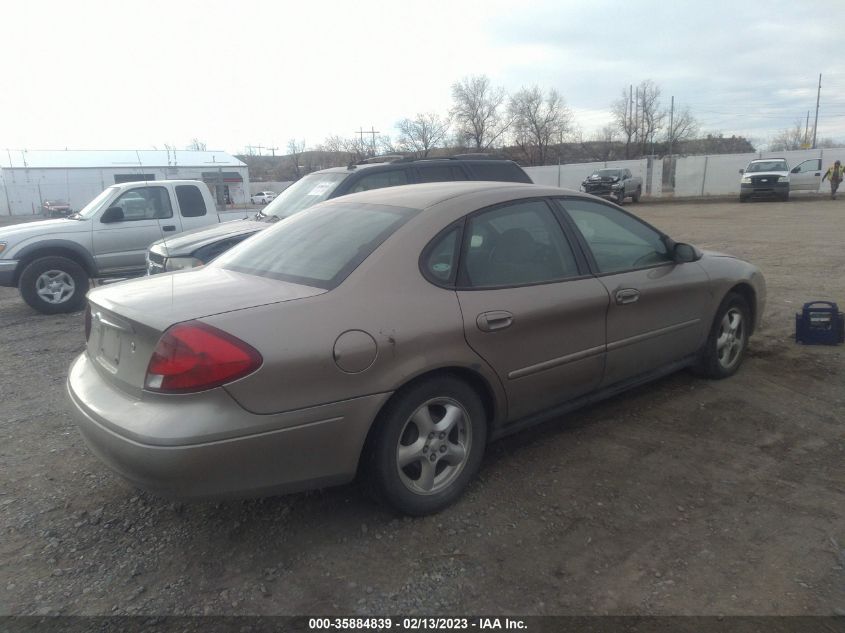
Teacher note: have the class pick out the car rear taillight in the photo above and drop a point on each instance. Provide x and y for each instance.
(194, 356)
(87, 321)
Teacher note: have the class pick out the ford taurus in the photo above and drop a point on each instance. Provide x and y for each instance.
(396, 332)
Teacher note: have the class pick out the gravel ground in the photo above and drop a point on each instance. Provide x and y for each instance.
(682, 497)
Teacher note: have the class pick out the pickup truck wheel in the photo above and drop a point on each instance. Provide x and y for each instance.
(54, 285)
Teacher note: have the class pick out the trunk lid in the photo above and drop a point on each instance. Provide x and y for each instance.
(127, 319)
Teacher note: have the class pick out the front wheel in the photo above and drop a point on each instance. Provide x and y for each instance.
(725, 347)
(54, 285)
(785, 197)
(428, 445)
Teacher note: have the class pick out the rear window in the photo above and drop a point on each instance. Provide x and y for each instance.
(191, 202)
(498, 171)
(320, 247)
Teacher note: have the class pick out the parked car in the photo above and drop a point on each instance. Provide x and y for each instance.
(614, 183)
(199, 247)
(51, 262)
(262, 197)
(55, 208)
(396, 331)
(772, 178)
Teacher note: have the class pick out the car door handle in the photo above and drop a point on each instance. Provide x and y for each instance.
(168, 227)
(495, 320)
(628, 295)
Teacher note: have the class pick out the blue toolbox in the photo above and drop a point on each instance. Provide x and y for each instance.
(820, 323)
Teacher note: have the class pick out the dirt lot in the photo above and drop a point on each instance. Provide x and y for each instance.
(683, 497)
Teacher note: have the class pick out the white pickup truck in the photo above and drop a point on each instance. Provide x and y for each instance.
(52, 261)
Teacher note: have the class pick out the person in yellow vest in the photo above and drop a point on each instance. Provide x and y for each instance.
(835, 175)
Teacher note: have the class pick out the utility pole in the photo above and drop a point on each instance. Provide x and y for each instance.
(807, 130)
(816, 122)
(637, 118)
(671, 125)
(273, 150)
(373, 132)
(630, 119)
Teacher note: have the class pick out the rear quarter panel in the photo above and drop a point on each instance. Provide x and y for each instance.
(416, 326)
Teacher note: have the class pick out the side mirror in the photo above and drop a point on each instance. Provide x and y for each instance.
(742, 171)
(112, 214)
(795, 170)
(685, 253)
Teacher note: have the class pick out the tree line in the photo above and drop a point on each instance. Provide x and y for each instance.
(533, 126)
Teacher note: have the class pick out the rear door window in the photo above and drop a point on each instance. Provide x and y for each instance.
(191, 202)
(498, 171)
(439, 173)
(518, 244)
(380, 180)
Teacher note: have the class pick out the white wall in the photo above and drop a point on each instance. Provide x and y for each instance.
(694, 175)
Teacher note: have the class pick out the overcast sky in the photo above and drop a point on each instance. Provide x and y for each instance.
(129, 75)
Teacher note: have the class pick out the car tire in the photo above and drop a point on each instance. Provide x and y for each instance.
(743, 198)
(54, 285)
(728, 339)
(637, 194)
(785, 197)
(427, 445)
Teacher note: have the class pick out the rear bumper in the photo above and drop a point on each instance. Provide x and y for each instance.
(268, 454)
(7, 272)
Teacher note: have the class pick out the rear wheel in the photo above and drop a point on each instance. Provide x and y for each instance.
(728, 339)
(53, 285)
(428, 445)
(637, 194)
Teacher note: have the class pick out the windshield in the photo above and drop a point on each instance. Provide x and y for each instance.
(90, 209)
(767, 165)
(319, 248)
(304, 193)
(607, 173)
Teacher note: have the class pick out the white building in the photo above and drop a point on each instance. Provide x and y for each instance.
(29, 177)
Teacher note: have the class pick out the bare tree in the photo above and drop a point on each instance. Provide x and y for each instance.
(682, 127)
(295, 149)
(639, 116)
(479, 112)
(623, 119)
(651, 116)
(196, 145)
(358, 148)
(538, 121)
(789, 139)
(604, 141)
(422, 134)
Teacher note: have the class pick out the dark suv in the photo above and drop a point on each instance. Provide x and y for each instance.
(195, 248)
